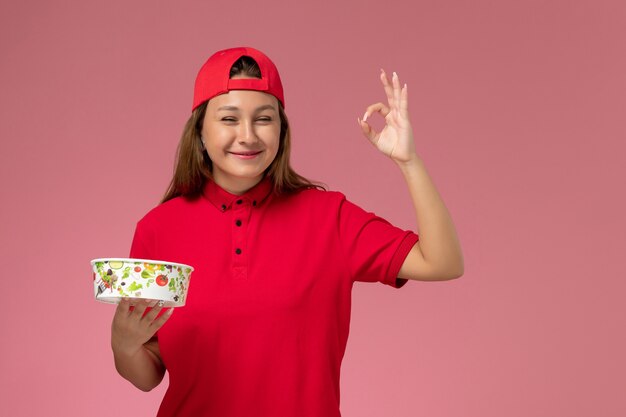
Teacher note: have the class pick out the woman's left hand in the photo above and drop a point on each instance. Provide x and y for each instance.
(396, 138)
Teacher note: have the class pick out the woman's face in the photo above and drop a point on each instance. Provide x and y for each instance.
(241, 134)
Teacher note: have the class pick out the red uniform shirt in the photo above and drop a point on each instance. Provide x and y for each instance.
(266, 321)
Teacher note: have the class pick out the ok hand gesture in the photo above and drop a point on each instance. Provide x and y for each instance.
(396, 138)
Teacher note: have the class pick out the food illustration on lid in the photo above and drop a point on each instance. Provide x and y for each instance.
(137, 278)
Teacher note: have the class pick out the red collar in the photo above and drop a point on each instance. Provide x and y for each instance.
(224, 200)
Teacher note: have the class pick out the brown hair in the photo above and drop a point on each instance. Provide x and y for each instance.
(193, 165)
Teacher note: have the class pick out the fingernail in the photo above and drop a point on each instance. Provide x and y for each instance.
(395, 75)
(365, 117)
(160, 303)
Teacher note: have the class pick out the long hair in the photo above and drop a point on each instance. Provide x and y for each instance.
(193, 166)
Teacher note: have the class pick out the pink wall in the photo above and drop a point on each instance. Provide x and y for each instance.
(518, 111)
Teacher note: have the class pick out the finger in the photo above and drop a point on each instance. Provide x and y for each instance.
(387, 86)
(396, 90)
(154, 311)
(368, 131)
(140, 308)
(404, 101)
(376, 108)
(122, 309)
(160, 321)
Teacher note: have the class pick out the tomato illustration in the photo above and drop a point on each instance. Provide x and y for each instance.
(161, 280)
(137, 269)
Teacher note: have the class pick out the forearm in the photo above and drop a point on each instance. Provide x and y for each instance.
(142, 368)
(438, 242)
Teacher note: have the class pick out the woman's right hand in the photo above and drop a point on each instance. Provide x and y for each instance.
(136, 360)
(131, 329)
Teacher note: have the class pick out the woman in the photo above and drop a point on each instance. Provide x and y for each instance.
(266, 321)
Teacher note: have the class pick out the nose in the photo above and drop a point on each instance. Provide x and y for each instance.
(247, 133)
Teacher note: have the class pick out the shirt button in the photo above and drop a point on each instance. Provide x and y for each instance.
(239, 201)
(238, 222)
(223, 207)
(238, 251)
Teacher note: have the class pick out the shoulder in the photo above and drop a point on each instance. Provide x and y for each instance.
(317, 195)
(313, 197)
(329, 199)
(170, 211)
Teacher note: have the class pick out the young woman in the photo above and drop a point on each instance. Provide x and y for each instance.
(266, 321)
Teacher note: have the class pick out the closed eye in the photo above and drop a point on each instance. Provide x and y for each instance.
(260, 119)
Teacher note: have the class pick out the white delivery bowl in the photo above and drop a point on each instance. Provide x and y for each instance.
(137, 279)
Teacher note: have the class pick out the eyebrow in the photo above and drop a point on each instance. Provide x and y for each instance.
(235, 108)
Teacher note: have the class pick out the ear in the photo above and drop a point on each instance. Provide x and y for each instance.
(202, 142)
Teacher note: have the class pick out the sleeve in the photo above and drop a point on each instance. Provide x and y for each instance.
(374, 249)
(143, 245)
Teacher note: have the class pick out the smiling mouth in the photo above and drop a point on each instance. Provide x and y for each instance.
(245, 154)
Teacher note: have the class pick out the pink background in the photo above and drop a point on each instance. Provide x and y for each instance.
(518, 112)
